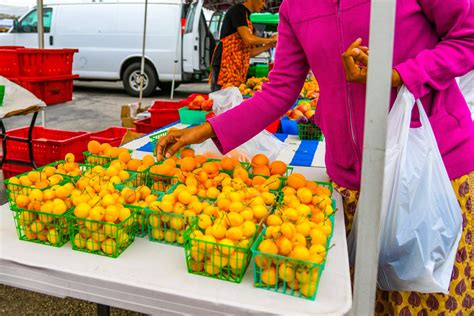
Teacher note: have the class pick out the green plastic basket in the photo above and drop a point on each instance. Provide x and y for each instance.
(97, 160)
(103, 238)
(13, 190)
(215, 260)
(284, 275)
(41, 227)
(161, 183)
(289, 171)
(310, 132)
(82, 167)
(168, 228)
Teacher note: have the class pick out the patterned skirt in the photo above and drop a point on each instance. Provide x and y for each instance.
(460, 300)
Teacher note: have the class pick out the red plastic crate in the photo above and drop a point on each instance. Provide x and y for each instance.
(10, 170)
(48, 144)
(111, 135)
(164, 112)
(51, 90)
(185, 102)
(145, 126)
(9, 62)
(35, 62)
(273, 128)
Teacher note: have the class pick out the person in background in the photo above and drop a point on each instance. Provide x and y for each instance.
(231, 58)
(433, 44)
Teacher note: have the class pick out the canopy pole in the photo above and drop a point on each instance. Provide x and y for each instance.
(143, 56)
(382, 25)
(178, 41)
(40, 31)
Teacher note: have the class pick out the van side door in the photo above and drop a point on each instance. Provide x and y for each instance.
(26, 32)
(191, 49)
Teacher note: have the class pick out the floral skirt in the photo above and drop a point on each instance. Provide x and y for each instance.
(460, 300)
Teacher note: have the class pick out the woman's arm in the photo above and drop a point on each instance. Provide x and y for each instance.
(236, 126)
(452, 57)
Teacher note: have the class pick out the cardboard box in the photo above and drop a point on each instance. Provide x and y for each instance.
(128, 114)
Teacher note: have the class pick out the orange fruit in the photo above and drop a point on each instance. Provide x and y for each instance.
(133, 164)
(261, 170)
(105, 147)
(269, 276)
(296, 181)
(124, 156)
(148, 160)
(94, 147)
(312, 186)
(278, 167)
(210, 167)
(187, 152)
(227, 164)
(170, 162)
(200, 159)
(258, 180)
(188, 164)
(260, 160)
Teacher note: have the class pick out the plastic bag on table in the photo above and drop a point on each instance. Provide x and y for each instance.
(264, 142)
(466, 84)
(420, 218)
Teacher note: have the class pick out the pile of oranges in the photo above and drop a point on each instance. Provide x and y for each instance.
(102, 154)
(262, 166)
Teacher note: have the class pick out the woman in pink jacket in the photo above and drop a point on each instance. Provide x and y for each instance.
(434, 44)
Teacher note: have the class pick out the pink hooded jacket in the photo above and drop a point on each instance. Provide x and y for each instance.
(434, 43)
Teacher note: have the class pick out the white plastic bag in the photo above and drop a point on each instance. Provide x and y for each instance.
(466, 84)
(264, 142)
(421, 218)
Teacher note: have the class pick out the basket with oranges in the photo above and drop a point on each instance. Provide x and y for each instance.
(102, 154)
(290, 253)
(40, 215)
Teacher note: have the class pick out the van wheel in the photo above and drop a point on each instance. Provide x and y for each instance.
(166, 86)
(131, 80)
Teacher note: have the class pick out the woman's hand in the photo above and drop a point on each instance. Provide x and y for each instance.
(168, 145)
(355, 61)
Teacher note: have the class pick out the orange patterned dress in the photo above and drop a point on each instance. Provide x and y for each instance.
(460, 300)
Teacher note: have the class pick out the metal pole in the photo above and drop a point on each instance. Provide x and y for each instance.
(143, 55)
(178, 41)
(382, 25)
(40, 29)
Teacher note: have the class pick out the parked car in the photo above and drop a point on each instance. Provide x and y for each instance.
(109, 34)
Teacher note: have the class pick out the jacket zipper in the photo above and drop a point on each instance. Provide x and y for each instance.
(349, 107)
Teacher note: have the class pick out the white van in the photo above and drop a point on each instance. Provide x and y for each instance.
(109, 33)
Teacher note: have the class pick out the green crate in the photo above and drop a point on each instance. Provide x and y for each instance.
(41, 227)
(13, 189)
(215, 260)
(310, 132)
(82, 167)
(192, 117)
(103, 238)
(159, 182)
(282, 274)
(97, 160)
(167, 228)
(155, 137)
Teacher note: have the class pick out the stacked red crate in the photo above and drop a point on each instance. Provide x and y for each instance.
(47, 73)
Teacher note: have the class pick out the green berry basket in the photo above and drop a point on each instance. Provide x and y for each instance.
(216, 260)
(73, 178)
(15, 189)
(287, 275)
(41, 227)
(159, 182)
(168, 228)
(310, 132)
(97, 160)
(103, 238)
